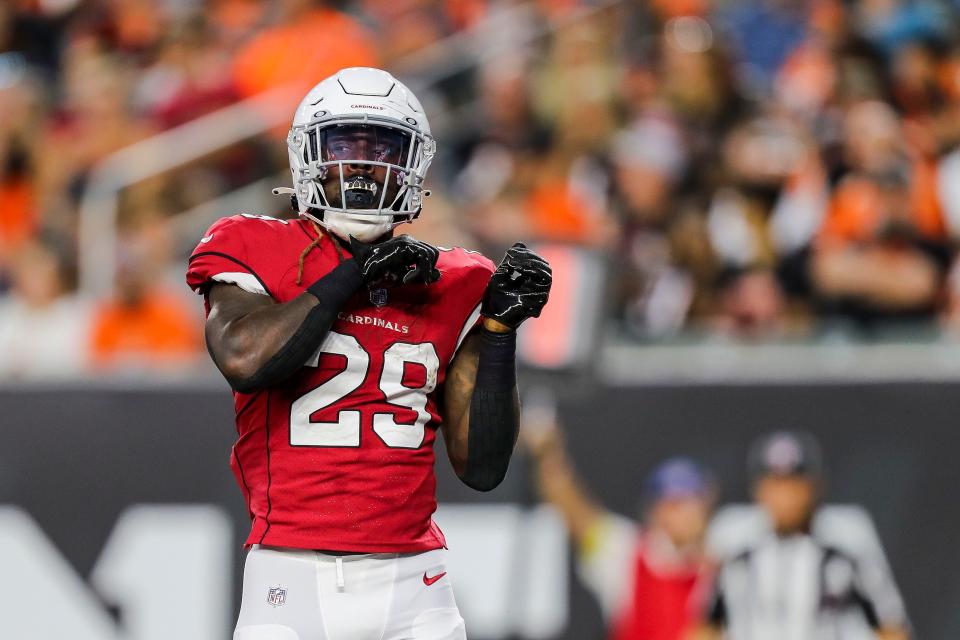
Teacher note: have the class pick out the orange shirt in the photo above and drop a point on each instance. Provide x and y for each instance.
(303, 52)
(554, 213)
(160, 328)
(855, 212)
(17, 214)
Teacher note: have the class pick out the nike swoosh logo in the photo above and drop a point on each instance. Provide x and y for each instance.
(206, 239)
(429, 581)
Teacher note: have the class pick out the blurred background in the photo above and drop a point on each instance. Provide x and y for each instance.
(753, 212)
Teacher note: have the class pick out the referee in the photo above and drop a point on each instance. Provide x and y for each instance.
(792, 569)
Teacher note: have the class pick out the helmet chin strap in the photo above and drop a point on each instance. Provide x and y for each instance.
(343, 226)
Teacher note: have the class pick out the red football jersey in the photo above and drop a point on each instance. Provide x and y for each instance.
(661, 606)
(340, 456)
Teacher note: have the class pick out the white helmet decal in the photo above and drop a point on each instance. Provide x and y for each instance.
(362, 122)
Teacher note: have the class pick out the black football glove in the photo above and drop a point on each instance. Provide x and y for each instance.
(519, 287)
(400, 258)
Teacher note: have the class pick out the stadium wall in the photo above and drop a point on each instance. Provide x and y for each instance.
(107, 493)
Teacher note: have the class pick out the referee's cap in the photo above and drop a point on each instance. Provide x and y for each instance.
(785, 453)
(679, 477)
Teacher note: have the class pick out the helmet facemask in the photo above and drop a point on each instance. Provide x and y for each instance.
(359, 176)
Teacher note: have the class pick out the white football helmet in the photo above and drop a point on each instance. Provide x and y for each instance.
(359, 148)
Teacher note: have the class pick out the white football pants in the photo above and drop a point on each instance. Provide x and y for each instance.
(296, 594)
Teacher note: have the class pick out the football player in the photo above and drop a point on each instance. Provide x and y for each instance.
(347, 347)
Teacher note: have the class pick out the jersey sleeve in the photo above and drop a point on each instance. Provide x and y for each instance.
(470, 272)
(224, 255)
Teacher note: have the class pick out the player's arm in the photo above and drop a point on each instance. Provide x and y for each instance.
(557, 480)
(257, 343)
(491, 457)
(481, 403)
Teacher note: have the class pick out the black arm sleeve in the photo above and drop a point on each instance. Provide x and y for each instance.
(333, 290)
(494, 414)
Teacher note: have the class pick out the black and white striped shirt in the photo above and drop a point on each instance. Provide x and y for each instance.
(833, 583)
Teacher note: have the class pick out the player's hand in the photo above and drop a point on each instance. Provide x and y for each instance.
(401, 258)
(519, 287)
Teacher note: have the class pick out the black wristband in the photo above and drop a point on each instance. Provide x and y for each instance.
(497, 362)
(336, 287)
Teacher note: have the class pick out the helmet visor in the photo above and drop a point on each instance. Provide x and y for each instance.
(361, 167)
(358, 143)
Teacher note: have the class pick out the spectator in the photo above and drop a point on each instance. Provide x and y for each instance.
(190, 77)
(644, 577)
(497, 160)
(764, 32)
(751, 304)
(761, 223)
(793, 569)
(407, 27)
(756, 169)
(42, 326)
(666, 259)
(574, 93)
(278, 55)
(145, 325)
(881, 252)
(93, 121)
(20, 114)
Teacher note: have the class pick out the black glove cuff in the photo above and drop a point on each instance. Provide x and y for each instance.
(497, 368)
(335, 288)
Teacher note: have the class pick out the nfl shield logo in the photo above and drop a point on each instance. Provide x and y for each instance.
(277, 596)
(378, 297)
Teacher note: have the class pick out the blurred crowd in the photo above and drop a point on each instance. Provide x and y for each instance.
(758, 169)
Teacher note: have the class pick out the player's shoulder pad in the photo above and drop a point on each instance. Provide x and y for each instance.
(459, 262)
(235, 249)
(241, 228)
(240, 235)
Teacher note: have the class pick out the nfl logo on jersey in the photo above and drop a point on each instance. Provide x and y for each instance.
(378, 297)
(277, 596)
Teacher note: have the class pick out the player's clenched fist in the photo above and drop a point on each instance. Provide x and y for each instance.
(401, 258)
(519, 287)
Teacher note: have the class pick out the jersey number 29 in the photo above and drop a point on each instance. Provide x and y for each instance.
(345, 432)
